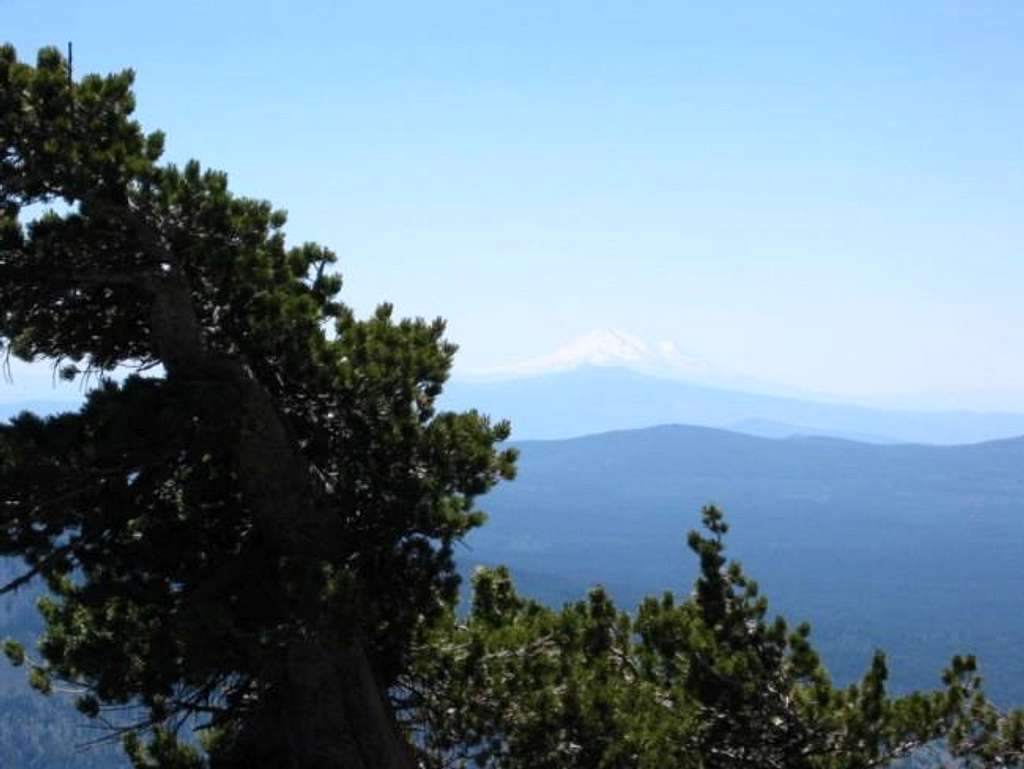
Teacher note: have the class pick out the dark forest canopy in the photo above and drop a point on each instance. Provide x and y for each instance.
(253, 532)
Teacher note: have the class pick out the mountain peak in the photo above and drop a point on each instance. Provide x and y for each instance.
(610, 348)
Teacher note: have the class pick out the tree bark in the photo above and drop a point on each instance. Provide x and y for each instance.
(326, 713)
(321, 706)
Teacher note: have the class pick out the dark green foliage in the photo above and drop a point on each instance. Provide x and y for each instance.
(707, 682)
(272, 489)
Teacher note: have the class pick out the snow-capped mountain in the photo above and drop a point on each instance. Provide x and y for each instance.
(611, 348)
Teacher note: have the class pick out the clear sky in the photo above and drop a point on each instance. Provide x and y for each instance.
(825, 195)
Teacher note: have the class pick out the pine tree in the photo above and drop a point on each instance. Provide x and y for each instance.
(250, 531)
(708, 682)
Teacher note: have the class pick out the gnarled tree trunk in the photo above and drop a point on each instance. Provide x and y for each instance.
(320, 706)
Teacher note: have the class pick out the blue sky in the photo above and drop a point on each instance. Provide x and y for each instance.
(825, 196)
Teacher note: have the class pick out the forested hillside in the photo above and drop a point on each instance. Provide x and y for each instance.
(38, 732)
(914, 549)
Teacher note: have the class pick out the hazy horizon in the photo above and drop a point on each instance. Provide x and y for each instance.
(825, 200)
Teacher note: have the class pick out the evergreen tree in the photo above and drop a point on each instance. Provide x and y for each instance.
(704, 683)
(250, 531)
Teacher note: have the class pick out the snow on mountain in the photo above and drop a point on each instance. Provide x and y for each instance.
(611, 348)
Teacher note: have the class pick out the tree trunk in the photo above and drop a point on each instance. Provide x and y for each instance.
(327, 713)
(320, 706)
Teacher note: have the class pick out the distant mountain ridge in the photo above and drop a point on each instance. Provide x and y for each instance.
(910, 548)
(592, 399)
(764, 428)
